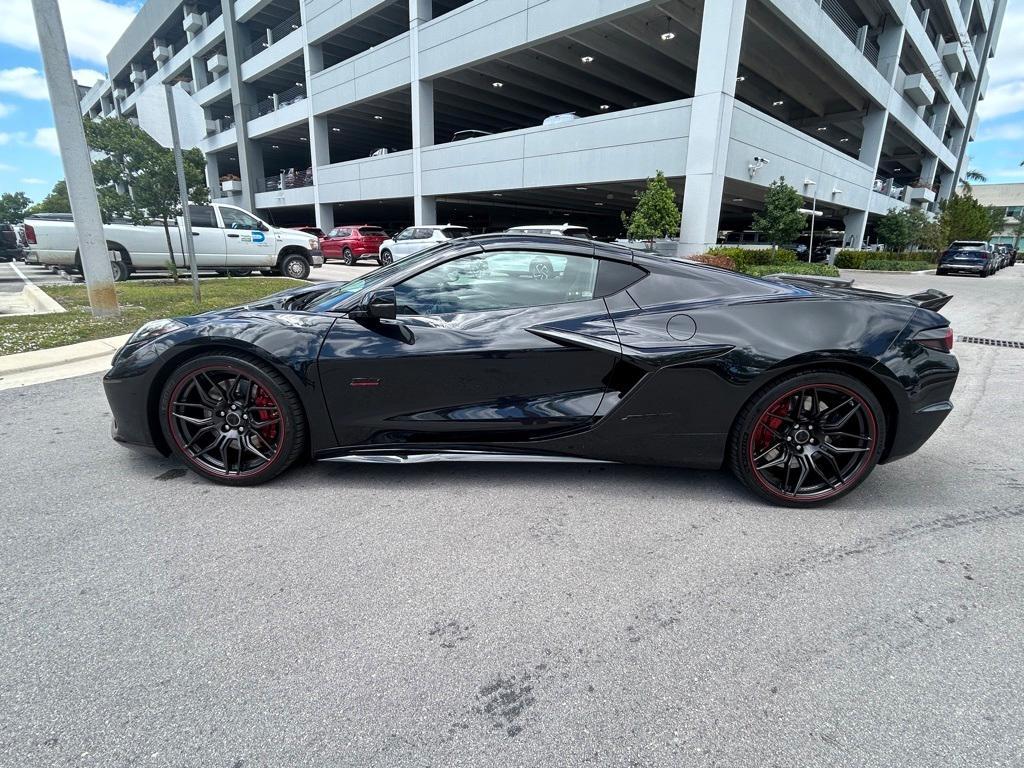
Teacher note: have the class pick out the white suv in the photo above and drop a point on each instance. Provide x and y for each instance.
(563, 230)
(414, 239)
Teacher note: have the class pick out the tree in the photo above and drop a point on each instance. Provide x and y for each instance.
(781, 221)
(55, 202)
(895, 230)
(972, 176)
(136, 177)
(13, 206)
(964, 218)
(1018, 232)
(656, 213)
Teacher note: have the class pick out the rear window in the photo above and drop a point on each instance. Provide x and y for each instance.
(580, 233)
(372, 232)
(451, 232)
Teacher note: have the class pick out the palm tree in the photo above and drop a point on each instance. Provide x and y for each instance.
(973, 176)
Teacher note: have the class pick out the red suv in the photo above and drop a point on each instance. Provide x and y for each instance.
(352, 243)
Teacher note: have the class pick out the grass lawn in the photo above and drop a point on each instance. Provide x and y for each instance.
(140, 302)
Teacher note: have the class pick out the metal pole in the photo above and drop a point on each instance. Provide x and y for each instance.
(74, 155)
(179, 167)
(814, 215)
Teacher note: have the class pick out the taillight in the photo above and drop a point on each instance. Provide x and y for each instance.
(30, 234)
(939, 339)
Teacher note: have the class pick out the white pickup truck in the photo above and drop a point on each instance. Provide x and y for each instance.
(227, 239)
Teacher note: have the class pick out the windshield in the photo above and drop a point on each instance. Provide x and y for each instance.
(328, 302)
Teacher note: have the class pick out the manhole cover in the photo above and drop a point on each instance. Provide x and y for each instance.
(991, 342)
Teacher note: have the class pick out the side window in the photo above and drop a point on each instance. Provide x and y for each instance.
(613, 276)
(502, 280)
(405, 234)
(202, 216)
(342, 233)
(422, 233)
(235, 219)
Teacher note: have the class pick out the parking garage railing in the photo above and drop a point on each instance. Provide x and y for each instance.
(276, 101)
(293, 178)
(854, 32)
(273, 34)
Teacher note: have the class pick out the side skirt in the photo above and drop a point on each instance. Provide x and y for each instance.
(458, 456)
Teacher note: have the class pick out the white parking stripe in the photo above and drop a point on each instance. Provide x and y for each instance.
(18, 272)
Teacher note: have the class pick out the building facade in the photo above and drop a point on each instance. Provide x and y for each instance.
(1009, 200)
(490, 113)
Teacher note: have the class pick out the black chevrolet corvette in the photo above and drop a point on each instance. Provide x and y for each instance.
(520, 347)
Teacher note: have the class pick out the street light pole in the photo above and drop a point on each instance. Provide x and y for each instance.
(74, 155)
(179, 167)
(814, 215)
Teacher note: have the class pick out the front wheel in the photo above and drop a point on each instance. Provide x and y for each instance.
(385, 257)
(295, 266)
(809, 439)
(231, 419)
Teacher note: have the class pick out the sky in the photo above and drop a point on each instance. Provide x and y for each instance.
(29, 159)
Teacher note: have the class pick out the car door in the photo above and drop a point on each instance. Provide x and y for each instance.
(476, 355)
(334, 243)
(207, 236)
(247, 243)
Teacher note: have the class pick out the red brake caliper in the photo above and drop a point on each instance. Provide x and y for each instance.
(268, 432)
(762, 436)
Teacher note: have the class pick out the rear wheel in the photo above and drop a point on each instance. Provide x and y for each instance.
(294, 265)
(385, 257)
(941, 272)
(808, 439)
(232, 419)
(348, 257)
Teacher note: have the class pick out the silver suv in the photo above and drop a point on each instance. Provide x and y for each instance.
(414, 239)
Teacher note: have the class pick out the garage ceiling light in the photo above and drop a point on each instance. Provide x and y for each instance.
(378, 117)
(303, 138)
(741, 79)
(778, 103)
(498, 84)
(274, 146)
(336, 130)
(581, 189)
(668, 36)
(605, 107)
(823, 128)
(587, 59)
(843, 140)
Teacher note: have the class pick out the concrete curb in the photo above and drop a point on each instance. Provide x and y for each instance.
(40, 301)
(60, 356)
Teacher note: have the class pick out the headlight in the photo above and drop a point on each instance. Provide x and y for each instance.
(313, 245)
(153, 329)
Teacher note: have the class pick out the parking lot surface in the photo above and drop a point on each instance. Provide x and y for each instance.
(490, 615)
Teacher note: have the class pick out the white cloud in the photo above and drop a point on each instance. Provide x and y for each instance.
(34, 181)
(24, 81)
(46, 138)
(6, 109)
(7, 138)
(91, 26)
(86, 77)
(1004, 132)
(1002, 100)
(5, 168)
(1006, 89)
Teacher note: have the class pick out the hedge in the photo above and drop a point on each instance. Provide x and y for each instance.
(743, 257)
(799, 268)
(896, 265)
(857, 259)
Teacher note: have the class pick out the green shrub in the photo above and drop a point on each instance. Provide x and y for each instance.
(798, 268)
(742, 257)
(896, 265)
(857, 259)
(716, 260)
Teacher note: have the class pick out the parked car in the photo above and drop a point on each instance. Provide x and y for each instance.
(314, 231)
(469, 134)
(975, 261)
(754, 240)
(414, 239)
(227, 239)
(382, 151)
(562, 230)
(10, 248)
(351, 243)
(440, 358)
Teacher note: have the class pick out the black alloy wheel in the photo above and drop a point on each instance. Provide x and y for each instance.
(808, 440)
(232, 420)
(385, 257)
(348, 257)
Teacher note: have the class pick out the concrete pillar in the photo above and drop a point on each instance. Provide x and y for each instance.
(875, 123)
(856, 223)
(424, 208)
(890, 48)
(200, 74)
(929, 167)
(250, 157)
(319, 131)
(710, 124)
(213, 175)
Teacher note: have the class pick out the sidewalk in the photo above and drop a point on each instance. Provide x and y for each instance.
(44, 365)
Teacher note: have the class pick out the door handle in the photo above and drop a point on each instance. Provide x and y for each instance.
(232, 235)
(196, 234)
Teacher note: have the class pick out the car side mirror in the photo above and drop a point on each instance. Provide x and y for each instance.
(379, 305)
(263, 227)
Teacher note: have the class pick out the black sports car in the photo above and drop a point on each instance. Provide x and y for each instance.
(545, 348)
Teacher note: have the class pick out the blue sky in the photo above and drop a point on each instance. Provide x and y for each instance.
(28, 150)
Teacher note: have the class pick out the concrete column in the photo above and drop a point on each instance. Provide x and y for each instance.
(213, 175)
(711, 123)
(319, 130)
(890, 48)
(876, 121)
(929, 167)
(424, 208)
(856, 223)
(200, 74)
(250, 157)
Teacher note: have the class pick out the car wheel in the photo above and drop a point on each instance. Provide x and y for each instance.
(120, 271)
(385, 257)
(984, 273)
(541, 269)
(239, 272)
(295, 266)
(232, 419)
(348, 257)
(809, 439)
(941, 272)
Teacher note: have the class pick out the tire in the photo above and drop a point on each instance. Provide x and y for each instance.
(294, 265)
(941, 272)
(985, 273)
(348, 258)
(239, 272)
(120, 270)
(385, 258)
(792, 458)
(247, 392)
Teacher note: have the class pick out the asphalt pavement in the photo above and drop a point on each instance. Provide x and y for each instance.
(14, 275)
(489, 615)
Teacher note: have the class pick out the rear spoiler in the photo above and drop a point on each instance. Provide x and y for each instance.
(931, 299)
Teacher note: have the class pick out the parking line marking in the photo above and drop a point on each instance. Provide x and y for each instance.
(19, 273)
